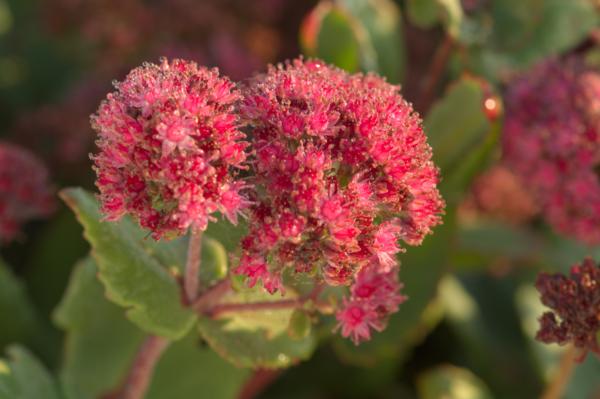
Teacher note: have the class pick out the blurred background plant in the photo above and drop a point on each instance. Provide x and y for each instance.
(468, 328)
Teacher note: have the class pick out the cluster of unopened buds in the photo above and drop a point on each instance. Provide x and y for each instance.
(574, 301)
(337, 173)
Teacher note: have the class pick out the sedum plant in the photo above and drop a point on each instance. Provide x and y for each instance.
(326, 171)
(308, 215)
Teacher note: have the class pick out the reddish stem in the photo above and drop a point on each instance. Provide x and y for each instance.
(436, 69)
(257, 383)
(561, 378)
(253, 306)
(218, 309)
(209, 298)
(192, 267)
(141, 371)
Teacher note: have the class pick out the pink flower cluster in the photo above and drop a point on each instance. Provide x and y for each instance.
(374, 296)
(552, 142)
(169, 147)
(575, 304)
(25, 192)
(342, 173)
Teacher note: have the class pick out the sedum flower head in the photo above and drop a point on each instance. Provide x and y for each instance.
(343, 173)
(169, 147)
(25, 192)
(575, 304)
(552, 142)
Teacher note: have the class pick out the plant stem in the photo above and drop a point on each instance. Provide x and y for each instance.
(192, 266)
(219, 309)
(440, 59)
(253, 306)
(141, 371)
(211, 296)
(561, 378)
(257, 383)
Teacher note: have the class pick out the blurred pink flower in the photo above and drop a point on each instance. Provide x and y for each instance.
(551, 142)
(499, 194)
(25, 192)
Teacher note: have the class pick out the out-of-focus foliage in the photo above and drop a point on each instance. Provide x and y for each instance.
(457, 123)
(452, 383)
(100, 342)
(502, 36)
(22, 376)
(355, 34)
(17, 315)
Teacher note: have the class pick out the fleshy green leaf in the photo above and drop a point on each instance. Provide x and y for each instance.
(46, 273)
(24, 377)
(450, 382)
(227, 234)
(458, 179)
(559, 25)
(457, 123)
(300, 325)
(214, 261)
(480, 311)
(480, 241)
(426, 13)
(337, 41)
(452, 16)
(133, 277)
(53, 254)
(101, 343)
(257, 338)
(17, 315)
(382, 25)
(172, 254)
(190, 369)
